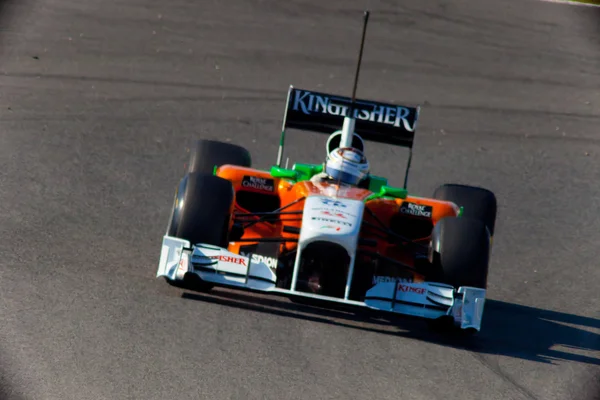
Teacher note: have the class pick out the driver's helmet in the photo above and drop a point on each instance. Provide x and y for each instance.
(347, 165)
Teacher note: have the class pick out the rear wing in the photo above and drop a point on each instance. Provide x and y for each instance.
(375, 121)
(370, 120)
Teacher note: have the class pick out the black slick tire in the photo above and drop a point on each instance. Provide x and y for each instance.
(205, 155)
(460, 255)
(202, 210)
(201, 213)
(460, 252)
(477, 202)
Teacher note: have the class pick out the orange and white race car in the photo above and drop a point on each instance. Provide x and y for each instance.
(332, 231)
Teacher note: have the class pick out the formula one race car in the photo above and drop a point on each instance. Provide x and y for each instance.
(332, 232)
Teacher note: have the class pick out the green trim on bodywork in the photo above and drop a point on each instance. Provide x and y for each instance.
(215, 170)
(303, 172)
(376, 183)
(388, 192)
(460, 211)
(307, 171)
(298, 173)
(278, 172)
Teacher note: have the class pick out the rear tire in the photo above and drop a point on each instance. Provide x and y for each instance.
(201, 213)
(206, 154)
(478, 202)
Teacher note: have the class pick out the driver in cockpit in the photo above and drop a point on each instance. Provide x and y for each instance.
(344, 165)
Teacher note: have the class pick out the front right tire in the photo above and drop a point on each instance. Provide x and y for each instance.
(202, 210)
(201, 213)
(205, 155)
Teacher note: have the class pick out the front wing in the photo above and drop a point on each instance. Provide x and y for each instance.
(219, 266)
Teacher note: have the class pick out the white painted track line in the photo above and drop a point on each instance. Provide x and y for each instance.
(573, 3)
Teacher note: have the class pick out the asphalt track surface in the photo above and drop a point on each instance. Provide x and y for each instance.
(99, 101)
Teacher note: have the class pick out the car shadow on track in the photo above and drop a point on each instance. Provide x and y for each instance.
(508, 329)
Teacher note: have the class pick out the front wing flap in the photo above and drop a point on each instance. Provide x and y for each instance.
(218, 265)
(213, 264)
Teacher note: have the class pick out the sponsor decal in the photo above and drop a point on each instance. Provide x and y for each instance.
(333, 214)
(229, 259)
(334, 211)
(384, 279)
(334, 203)
(270, 262)
(333, 221)
(337, 228)
(410, 289)
(182, 267)
(263, 184)
(417, 210)
(309, 103)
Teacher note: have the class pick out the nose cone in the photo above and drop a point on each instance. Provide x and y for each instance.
(332, 219)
